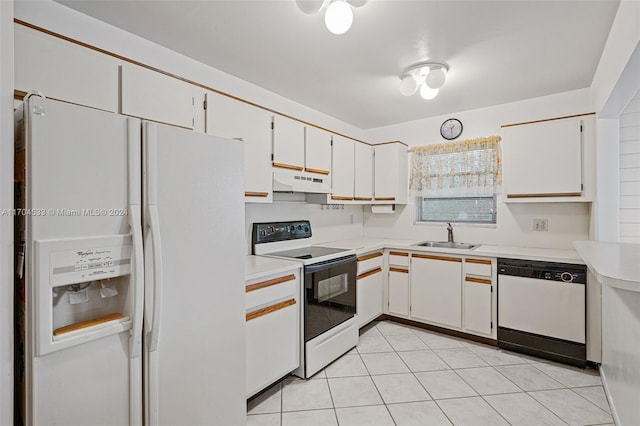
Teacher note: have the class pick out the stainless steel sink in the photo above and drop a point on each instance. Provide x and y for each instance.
(445, 244)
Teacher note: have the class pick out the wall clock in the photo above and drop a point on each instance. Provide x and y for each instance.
(451, 128)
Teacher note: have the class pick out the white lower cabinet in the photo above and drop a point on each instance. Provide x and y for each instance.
(369, 289)
(436, 289)
(477, 306)
(272, 329)
(398, 292)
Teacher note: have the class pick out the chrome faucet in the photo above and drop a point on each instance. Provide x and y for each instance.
(449, 233)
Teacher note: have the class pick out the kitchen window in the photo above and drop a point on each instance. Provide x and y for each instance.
(456, 181)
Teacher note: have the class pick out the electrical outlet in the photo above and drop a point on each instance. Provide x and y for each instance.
(540, 225)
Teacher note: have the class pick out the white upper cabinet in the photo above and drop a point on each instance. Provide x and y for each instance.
(317, 153)
(391, 173)
(288, 143)
(363, 184)
(154, 96)
(545, 161)
(342, 170)
(65, 71)
(231, 118)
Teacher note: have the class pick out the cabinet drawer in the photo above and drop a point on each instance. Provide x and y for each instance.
(480, 267)
(273, 288)
(369, 261)
(399, 258)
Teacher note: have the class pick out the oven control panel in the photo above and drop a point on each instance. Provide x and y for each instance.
(268, 232)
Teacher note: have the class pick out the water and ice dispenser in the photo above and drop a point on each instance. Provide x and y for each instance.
(83, 291)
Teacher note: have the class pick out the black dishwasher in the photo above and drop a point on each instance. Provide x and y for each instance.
(542, 309)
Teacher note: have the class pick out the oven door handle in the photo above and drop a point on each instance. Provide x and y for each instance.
(310, 269)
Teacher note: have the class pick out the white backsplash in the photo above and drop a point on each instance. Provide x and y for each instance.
(328, 223)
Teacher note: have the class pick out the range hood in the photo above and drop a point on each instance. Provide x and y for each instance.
(301, 182)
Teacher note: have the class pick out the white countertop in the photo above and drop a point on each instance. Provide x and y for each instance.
(256, 267)
(614, 264)
(364, 245)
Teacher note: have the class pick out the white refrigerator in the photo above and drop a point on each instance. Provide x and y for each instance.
(134, 273)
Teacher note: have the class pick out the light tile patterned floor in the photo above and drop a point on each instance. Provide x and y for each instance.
(401, 375)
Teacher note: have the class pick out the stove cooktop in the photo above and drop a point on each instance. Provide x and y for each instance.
(313, 252)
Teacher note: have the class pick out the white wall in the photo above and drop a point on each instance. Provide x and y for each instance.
(630, 172)
(327, 223)
(567, 221)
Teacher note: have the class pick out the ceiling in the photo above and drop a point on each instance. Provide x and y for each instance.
(498, 51)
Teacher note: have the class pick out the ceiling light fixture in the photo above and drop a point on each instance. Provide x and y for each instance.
(428, 76)
(338, 15)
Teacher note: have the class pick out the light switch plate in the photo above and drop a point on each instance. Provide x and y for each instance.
(540, 225)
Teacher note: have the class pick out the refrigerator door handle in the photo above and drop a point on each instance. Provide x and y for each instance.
(154, 226)
(135, 348)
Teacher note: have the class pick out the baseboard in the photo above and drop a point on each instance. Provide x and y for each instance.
(454, 333)
(612, 406)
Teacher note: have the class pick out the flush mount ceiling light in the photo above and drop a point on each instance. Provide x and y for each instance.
(338, 15)
(428, 76)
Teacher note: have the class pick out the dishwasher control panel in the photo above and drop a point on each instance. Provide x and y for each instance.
(552, 271)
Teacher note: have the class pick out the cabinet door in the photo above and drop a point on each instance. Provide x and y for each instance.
(363, 186)
(436, 289)
(398, 291)
(65, 71)
(342, 170)
(317, 152)
(477, 305)
(369, 296)
(288, 143)
(272, 346)
(543, 159)
(153, 96)
(231, 118)
(391, 173)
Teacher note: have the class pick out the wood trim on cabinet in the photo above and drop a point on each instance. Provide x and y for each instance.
(398, 253)
(445, 258)
(384, 198)
(548, 119)
(186, 80)
(480, 261)
(84, 324)
(255, 194)
(319, 171)
(341, 198)
(288, 166)
(19, 95)
(369, 256)
(387, 143)
(404, 271)
(269, 309)
(368, 273)
(554, 194)
(268, 283)
(362, 198)
(477, 280)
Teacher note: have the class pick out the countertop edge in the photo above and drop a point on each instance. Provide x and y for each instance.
(607, 278)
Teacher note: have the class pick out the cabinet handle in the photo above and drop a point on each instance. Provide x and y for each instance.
(288, 166)
(398, 253)
(446, 259)
(384, 198)
(255, 194)
(478, 280)
(363, 198)
(264, 311)
(340, 197)
(368, 273)
(479, 261)
(404, 271)
(551, 194)
(369, 256)
(319, 171)
(268, 283)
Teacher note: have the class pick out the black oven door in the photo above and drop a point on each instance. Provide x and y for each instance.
(330, 295)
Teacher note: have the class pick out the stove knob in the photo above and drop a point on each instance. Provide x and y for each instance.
(262, 233)
(299, 227)
(566, 277)
(306, 229)
(270, 230)
(292, 228)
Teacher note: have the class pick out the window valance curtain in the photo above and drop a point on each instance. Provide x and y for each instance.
(457, 169)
